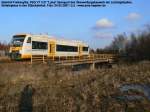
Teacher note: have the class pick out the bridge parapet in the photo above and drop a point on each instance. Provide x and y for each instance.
(92, 58)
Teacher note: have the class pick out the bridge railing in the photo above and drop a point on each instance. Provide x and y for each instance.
(38, 58)
(65, 59)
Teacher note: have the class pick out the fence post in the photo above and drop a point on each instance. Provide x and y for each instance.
(43, 58)
(31, 58)
(92, 67)
(53, 57)
(59, 58)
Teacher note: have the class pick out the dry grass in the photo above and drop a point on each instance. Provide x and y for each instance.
(67, 91)
(4, 59)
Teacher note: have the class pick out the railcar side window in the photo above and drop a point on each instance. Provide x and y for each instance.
(39, 45)
(65, 48)
(29, 40)
(85, 48)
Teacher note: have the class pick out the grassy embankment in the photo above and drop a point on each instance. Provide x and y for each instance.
(67, 91)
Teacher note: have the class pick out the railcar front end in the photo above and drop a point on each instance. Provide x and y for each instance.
(20, 47)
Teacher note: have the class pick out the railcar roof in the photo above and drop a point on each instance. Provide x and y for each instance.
(51, 37)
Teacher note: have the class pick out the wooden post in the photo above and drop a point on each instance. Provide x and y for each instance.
(31, 58)
(53, 57)
(43, 59)
(59, 58)
(92, 67)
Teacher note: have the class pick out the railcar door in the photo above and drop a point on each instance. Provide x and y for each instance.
(80, 50)
(52, 48)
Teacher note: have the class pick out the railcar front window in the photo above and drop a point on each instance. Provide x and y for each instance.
(17, 41)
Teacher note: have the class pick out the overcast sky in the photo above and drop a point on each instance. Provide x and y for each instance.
(96, 26)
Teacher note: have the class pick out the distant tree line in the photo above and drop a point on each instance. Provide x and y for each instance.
(103, 51)
(135, 47)
(4, 46)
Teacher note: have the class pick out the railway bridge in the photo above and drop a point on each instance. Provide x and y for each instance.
(92, 60)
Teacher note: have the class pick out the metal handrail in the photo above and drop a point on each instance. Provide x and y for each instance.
(91, 57)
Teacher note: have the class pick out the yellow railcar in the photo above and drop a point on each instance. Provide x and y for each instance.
(23, 46)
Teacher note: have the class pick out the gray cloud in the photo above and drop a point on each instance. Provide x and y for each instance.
(133, 16)
(104, 23)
